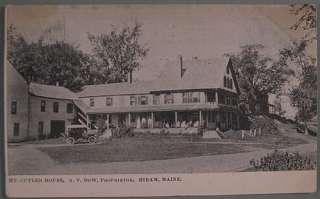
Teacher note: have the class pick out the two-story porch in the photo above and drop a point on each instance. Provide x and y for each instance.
(210, 116)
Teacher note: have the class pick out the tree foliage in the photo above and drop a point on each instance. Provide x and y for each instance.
(117, 54)
(304, 95)
(48, 63)
(306, 19)
(258, 75)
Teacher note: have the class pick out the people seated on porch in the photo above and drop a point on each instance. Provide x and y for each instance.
(138, 123)
(143, 122)
(178, 124)
(149, 122)
(183, 124)
(166, 125)
(196, 124)
(190, 123)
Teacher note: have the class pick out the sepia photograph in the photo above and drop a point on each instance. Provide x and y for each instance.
(158, 95)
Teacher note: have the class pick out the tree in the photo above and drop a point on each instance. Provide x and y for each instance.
(258, 75)
(278, 106)
(48, 63)
(304, 96)
(17, 51)
(306, 21)
(117, 54)
(64, 64)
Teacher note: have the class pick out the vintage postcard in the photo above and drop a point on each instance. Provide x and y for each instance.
(160, 100)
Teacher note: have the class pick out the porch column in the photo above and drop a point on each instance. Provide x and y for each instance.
(200, 117)
(108, 121)
(217, 119)
(152, 118)
(216, 94)
(207, 118)
(228, 119)
(176, 118)
(238, 121)
(129, 119)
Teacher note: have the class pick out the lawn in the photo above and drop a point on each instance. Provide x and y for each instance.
(137, 149)
(272, 141)
(268, 140)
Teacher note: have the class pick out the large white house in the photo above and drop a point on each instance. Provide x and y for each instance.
(200, 92)
(203, 92)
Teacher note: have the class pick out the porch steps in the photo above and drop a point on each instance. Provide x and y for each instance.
(211, 134)
(81, 122)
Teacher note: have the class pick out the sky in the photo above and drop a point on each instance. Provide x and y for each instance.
(203, 31)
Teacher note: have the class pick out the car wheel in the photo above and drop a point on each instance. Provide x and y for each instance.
(92, 139)
(70, 140)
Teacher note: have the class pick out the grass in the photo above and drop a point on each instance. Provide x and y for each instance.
(137, 149)
(275, 141)
(59, 140)
(267, 140)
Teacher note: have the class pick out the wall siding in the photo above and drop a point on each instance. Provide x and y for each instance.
(16, 90)
(48, 115)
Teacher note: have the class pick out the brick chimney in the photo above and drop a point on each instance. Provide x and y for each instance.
(182, 70)
(130, 76)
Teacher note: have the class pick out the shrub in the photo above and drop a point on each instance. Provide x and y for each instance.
(278, 161)
(267, 124)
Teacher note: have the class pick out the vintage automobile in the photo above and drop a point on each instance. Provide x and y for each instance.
(80, 133)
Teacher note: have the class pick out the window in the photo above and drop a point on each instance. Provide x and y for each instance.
(108, 101)
(156, 99)
(168, 98)
(225, 81)
(211, 97)
(234, 101)
(133, 100)
(143, 100)
(43, 106)
(16, 129)
(40, 129)
(55, 107)
(185, 97)
(191, 97)
(195, 97)
(69, 108)
(221, 99)
(91, 103)
(228, 100)
(14, 107)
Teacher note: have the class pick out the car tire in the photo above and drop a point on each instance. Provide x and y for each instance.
(92, 139)
(70, 140)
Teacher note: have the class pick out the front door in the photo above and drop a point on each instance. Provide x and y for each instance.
(211, 120)
(56, 128)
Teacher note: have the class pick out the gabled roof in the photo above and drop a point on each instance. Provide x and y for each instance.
(81, 105)
(11, 71)
(49, 91)
(122, 88)
(199, 74)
